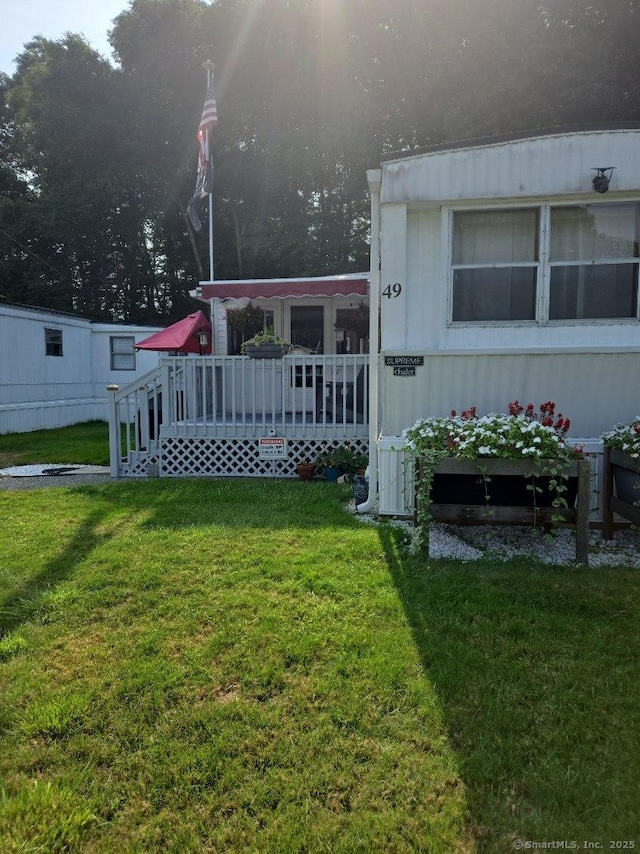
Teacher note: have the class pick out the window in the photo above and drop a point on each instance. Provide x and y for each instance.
(495, 264)
(243, 323)
(353, 326)
(123, 355)
(53, 342)
(307, 327)
(582, 264)
(594, 261)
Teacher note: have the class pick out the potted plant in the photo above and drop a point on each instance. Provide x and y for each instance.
(329, 462)
(306, 470)
(243, 323)
(266, 345)
(340, 460)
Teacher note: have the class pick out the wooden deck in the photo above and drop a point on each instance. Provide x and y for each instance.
(312, 401)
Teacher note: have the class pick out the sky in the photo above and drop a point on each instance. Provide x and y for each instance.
(20, 20)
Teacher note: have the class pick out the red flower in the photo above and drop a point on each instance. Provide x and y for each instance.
(547, 408)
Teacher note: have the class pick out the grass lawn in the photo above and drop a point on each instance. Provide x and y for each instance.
(211, 665)
(86, 443)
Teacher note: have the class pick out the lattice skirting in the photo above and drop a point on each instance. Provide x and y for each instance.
(141, 464)
(239, 457)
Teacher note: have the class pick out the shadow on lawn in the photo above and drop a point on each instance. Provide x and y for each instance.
(519, 655)
(233, 502)
(24, 602)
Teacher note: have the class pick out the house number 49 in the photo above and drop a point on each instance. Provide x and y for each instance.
(392, 291)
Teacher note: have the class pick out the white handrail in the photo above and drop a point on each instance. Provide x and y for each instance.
(298, 396)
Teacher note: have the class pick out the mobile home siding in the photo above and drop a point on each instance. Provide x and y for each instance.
(39, 391)
(591, 388)
(553, 165)
(588, 367)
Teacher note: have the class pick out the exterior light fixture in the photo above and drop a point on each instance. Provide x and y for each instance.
(203, 339)
(601, 180)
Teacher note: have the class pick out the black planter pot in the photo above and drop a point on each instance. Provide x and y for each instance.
(627, 484)
(503, 490)
(266, 351)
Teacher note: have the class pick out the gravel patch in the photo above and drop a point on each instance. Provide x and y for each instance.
(52, 474)
(502, 542)
(52, 470)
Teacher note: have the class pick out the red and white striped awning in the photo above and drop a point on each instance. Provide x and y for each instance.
(319, 286)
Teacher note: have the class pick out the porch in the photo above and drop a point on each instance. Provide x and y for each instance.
(204, 415)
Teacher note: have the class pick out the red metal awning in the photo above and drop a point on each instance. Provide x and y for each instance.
(321, 286)
(181, 337)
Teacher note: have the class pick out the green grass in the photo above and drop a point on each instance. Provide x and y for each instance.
(209, 665)
(86, 443)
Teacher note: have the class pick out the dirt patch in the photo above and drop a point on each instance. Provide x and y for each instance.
(8, 460)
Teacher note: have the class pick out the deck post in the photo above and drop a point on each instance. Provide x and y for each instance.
(114, 432)
(165, 386)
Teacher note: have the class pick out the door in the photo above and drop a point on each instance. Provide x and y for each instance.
(307, 334)
(307, 327)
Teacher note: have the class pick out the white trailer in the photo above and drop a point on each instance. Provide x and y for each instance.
(507, 272)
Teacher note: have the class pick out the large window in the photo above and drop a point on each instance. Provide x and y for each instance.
(495, 264)
(593, 258)
(123, 355)
(574, 262)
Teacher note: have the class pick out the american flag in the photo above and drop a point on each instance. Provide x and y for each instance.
(204, 182)
(209, 116)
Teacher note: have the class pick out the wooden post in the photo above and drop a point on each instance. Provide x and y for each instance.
(607, 493)
(114, 433)
(582, 512)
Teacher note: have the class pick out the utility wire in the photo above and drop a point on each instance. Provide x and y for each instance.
(26, 249)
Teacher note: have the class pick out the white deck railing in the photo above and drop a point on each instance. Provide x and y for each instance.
(320, 397)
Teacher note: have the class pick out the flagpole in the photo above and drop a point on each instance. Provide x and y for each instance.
(210, 68)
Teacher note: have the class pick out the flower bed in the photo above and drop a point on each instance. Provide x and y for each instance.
(524, 447)
(621, 474)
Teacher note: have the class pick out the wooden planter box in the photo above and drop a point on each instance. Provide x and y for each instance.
(619, 464)
(475, 511)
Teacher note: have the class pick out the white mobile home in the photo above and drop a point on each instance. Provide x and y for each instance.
(506, 272)
(55, 367)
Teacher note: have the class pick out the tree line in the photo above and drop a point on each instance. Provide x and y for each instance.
(98, 157)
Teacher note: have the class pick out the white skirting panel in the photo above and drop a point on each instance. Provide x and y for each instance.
(395, 477)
